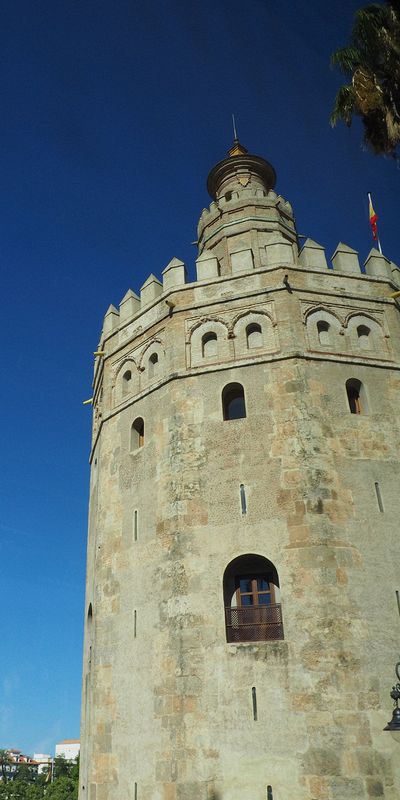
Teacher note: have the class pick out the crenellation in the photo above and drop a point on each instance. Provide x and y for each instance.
(345, 259)
(243, 257)
(129, 306)
(242, 260)
(151, 290)
(312, 254)
(207, 266)
(111, 320)
(395, 273)
(174, 274)
(377, 264)
(279, 250)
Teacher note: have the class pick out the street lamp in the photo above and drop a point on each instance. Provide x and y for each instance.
(394, 725)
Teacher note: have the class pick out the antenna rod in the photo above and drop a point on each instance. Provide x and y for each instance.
(234, 127)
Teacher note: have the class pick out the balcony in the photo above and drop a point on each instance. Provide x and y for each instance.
(254, 623)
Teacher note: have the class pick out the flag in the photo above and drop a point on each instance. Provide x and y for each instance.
(373, 219)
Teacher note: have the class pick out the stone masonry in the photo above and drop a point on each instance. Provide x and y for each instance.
(172, 710)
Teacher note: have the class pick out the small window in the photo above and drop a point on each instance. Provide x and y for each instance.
(233, 402)
(228, 196)
(323, 328)
(126, 380)
(356, 396)
(254, 336)
(209, 345)
(364, 337)
(153, 365)
(137, 434)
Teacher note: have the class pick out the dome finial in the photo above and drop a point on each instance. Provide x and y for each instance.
(237, 149)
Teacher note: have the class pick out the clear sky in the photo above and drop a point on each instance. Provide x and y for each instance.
(112, 115)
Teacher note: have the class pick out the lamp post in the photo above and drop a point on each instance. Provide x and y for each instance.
(394, 725)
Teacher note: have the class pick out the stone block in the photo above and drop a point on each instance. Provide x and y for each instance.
(345, 259)
(174, 274)
(242, 261)
(129, 305)
(207, 266)
(395, 273)
(111, 319)
(151, 289)
(376, 264)
(279, 250)
(312, 254)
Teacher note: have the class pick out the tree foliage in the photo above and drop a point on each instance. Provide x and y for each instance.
(23, 785)
(371, 63)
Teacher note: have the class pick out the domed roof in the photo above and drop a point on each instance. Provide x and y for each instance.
(240, 162)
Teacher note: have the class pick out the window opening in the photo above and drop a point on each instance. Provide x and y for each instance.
(135, 792)
(228, 196)
(126, 379)
(379, 497)
(364, 338)
(243, 502)
(252, 600)
(254, 699)
(323, 328)
(89, 636)
(233, 403)
(209, 345)
(355, 396)
(134, 624)
(153, 365)
(137, 434)
(254, 335)
(135, 525)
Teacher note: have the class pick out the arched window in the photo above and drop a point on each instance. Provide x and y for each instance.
(209, 345)
(233, 403)
(251, 599)
(137, 433)
(364, 337)
(153, 365)
(126, 381)
(356, 396)
(254, 335)
(323, 332)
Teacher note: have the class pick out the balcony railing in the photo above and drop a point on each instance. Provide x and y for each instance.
(254, 623)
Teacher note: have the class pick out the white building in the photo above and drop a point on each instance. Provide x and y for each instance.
(68, 748)
(43, 761)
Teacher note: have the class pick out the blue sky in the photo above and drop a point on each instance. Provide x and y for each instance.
(112, 115)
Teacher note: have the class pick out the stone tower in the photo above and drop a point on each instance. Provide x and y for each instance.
(242, 554)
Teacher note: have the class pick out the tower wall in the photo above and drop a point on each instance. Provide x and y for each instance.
(170, 708)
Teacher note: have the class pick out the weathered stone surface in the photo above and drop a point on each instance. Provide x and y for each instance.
(168, 707)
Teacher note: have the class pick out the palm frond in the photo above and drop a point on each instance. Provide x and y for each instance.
(343, 108)
(346, 58)
(371, 61)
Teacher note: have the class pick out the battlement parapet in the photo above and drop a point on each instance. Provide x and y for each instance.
(233, 203)
(276, 251)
